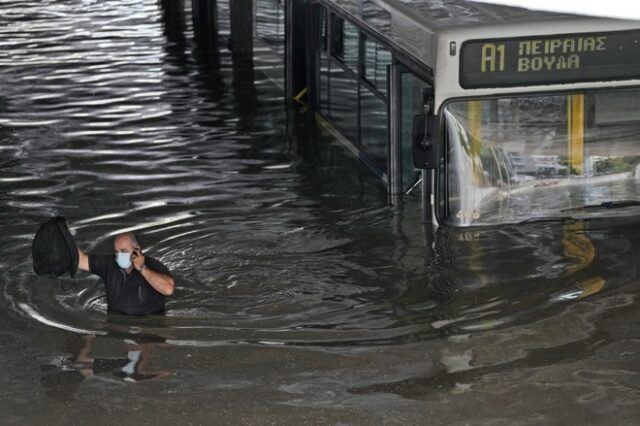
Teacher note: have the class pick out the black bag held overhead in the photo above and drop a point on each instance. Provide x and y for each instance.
(54, 250)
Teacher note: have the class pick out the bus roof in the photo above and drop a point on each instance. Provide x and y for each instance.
(621, 9)
(414, 26)
(448, 14)
(441, 14)
(433, 33)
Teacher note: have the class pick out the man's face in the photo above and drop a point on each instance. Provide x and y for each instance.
(123, 245)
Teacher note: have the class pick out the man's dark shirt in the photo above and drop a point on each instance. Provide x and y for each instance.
(128, 293)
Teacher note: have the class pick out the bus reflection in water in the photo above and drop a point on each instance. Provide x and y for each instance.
(528, 115)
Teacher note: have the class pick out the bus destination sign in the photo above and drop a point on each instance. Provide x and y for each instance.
(550, 60)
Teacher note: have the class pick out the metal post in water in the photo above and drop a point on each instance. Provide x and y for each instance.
(241, 16)
(174, 23)
(205, 24)
(297, 34)
(207, 52)
(241, 45)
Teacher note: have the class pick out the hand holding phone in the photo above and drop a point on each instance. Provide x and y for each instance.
(137, 258)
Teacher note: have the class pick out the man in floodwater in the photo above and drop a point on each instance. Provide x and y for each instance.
(135, 284)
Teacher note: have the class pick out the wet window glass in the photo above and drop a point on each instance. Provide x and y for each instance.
(323, 95)
(411, 105)
(516, 159)
(374, 127)
(376, 62)
(376, 16)
(324, 32)
(344, 101)
(345, 42)
(324, 83)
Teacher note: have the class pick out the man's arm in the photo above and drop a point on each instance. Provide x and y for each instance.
(162, 283)
(83, 261)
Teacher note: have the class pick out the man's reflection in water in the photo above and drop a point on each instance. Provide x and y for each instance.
(62, 376)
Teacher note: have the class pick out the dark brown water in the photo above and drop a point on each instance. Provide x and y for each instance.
(302, 298)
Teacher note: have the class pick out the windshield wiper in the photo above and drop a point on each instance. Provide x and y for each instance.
(545, 219)
(605, 205)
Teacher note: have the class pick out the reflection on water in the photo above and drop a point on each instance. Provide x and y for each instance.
(62, 376)
(301, 294)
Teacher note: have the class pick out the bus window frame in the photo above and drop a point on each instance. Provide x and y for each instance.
(423, 71)
(358, 74)
(363, 72)
(398, 57)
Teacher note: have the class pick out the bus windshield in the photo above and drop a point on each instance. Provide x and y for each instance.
(534, 157)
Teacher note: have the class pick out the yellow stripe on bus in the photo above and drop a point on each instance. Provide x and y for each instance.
(575, 132)
(474, 111)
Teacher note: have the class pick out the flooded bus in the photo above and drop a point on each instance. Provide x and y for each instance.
(500, 114)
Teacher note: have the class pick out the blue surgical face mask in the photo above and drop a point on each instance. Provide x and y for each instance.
(123, 260)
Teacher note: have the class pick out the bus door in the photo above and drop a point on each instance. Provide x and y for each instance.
(413, 95)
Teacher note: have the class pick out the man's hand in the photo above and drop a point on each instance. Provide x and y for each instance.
(162, 283)
(83, 261)
(137, 258)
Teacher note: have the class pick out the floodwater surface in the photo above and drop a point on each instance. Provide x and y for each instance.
(302, 296)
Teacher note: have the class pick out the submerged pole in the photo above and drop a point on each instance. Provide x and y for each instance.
(173, 18)
(241, 44)
(297, 28)
(205, 24)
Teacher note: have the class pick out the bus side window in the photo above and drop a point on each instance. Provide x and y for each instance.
(337, 36)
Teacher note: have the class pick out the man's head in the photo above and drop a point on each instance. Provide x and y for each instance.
(125, 242)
